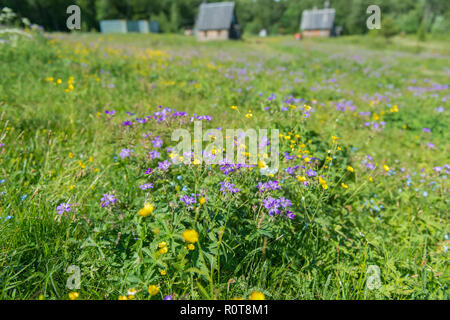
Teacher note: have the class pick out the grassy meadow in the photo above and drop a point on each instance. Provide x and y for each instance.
(357, 210)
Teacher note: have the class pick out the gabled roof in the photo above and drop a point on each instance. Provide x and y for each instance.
(215, 16)
(322, 19)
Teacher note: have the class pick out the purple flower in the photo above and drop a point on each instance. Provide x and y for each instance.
(154, 154)
(311, 173)
(426, 130)
(107, 200)
(285, 202)
(290, 215)
(127, 123)
(64, 207)
(272, 205)
(225, 187)
(430, 145)
(168, 297)
(164, 165)
(148, 171)
(125, 153)
(146, 186)
(157, 142)
(112, 112)
(188, 201)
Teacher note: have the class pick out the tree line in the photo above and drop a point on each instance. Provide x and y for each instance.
(276, 16)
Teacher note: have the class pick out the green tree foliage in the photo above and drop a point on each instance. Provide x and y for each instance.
(276, 16)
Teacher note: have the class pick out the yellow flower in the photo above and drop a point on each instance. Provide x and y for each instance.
(73, 295)
(146, 210)
(386, 168)
(234, 107)
(301, 178)
(190, 236)
(156, 231)
(163, 272)
(191, 246)
(162, 244)
(322, 181)
(202, 200)
(344, 185)
(70, 155)
(123, 298)
(236, 298)
(71, 187)
(349, 168)
(163, 250)
(370, 179)
(261, 164)
(49, 79)
(256, 295)
(152, 290)
(324, 186)
(196, 162)
(334, 139)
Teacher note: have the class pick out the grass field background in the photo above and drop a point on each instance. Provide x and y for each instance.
(369, 117)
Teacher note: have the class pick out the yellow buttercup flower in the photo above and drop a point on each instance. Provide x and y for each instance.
(256, 295)
(301, 178)
(349, 168)
(152, 290)
(202, 200)
(73, 295)
(163, 272)
(386, 168)
(344, 185)
(191, 246)
(146, 210)
(162, 244)
(163, 250)
(190, 236)
(123, 298)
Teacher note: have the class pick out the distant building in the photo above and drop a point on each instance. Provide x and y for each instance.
(126, 26)
(217, 21)
(318, 22)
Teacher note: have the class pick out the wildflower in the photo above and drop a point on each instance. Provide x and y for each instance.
(349, 168)
(386, 168)
(344, 185)
(157, 142)
(191, 246)
(148, 171)
(202, 200)
(163, 165)
(311, 173)
(290, 214)
(146, 186)
(188, 201)
(301, 178)
(154, 154)
(70, 155)
(234, 107)
(132, 292)
(107, 200)
(163, 272)
(190, 236)
(73, 295)
(163, 250)
(162, 244)
(370, 179)
(167, 297)
(64, 207)
(123, 298)
(334, 139)
(153, 290)
(228, 187)
(256, 295)
(125, 153)
(146, 210)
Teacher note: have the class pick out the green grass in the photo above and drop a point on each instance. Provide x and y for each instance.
(61, 147)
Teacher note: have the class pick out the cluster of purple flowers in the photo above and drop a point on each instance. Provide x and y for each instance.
(225, 187)
(274, 206)
(271, 185)
(107, 200)
(112, 112)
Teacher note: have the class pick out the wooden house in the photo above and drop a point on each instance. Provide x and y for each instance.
(318, 23)
(217, 21)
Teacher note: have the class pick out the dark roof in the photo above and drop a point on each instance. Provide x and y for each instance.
(215, 16)
(317, 19)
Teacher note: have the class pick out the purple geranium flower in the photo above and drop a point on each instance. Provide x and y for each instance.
(64, 207)
(146, 186)
(164, 165)
(107, 200)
